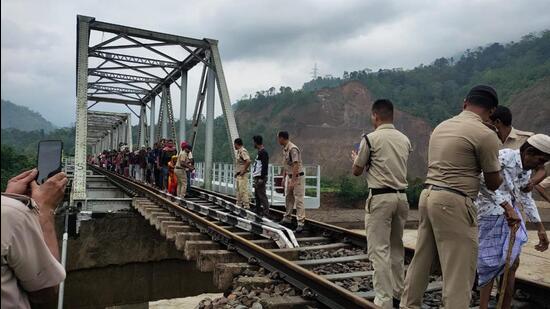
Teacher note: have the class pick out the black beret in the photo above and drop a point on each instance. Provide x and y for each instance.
(483, 94)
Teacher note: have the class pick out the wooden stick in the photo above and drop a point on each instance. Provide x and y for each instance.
(502, 292)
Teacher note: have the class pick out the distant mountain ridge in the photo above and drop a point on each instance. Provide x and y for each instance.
(22, 118)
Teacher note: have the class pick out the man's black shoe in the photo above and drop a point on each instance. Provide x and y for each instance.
(396, 302)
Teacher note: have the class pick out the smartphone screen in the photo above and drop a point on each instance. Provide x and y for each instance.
(356, 146)
(49, 159)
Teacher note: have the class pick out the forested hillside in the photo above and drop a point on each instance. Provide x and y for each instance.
(435, 91)
(22, 118)
(432, 92)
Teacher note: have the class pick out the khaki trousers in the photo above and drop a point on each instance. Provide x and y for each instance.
(182, 181)
(294, 198)
(243, 194)
(448, 227)
(385, 221)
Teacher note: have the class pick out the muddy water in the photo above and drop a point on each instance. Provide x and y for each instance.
(135, 283)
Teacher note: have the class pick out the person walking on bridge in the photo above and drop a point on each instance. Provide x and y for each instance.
(460, 149)
(242, 163)
(181, 169)
(259, 174)
(384, 154)
(295, 188)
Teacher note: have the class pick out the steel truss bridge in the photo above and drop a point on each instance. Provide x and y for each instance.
(124, 65)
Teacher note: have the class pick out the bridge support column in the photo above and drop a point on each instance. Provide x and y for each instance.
(209, 140)
(229, 116)
(129, 139)
(116, 137)
(183, 107)
(164, 106)
(110, 139)
(152, 124)
(81, 132)
(142, 125)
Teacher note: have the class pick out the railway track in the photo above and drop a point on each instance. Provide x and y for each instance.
(326, 263)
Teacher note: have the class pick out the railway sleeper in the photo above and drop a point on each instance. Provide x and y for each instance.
(158, 220)
(192, 248)
(225, 272)
(343, 259)
(294, 253)
(208, 259)
(172, 230)
(182, 238)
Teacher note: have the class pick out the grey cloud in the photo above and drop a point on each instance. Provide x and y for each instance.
(263, 43)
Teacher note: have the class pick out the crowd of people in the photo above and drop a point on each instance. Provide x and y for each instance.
(164, 166)
(476, 198)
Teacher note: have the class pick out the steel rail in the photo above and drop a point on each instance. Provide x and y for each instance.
(531, 287)
(311, 284)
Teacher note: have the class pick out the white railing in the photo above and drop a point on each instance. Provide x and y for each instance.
(223, 181)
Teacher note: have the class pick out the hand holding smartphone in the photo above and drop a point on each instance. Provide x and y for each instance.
(48, 159)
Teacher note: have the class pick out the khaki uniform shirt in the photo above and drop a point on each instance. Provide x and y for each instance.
(291, 155)
(460, 149)
(241, 157)
(27, 264)
(184, 158)
(388, 154)
(516, 138)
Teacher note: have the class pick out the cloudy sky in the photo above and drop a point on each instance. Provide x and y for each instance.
(262, 43)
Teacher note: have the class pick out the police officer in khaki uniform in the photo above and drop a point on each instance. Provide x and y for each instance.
(384, 154)
(31, 271)
(509, 136)
(460, 149)
(242, 163)
(295, 188)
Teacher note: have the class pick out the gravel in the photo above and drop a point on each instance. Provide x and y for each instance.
(240, 297)
(347, 267)
(325, 254)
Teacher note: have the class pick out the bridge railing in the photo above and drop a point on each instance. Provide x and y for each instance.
(223, 181)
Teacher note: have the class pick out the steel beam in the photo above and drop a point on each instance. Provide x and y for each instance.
(145, 34)
(133, 59)
(183, 107)
(113, 100)
(209, 138)
(229, 116)
(133, 78)
(116, 89)
(142, 126)
(164, 106)
(187, 64)
(129, 132)
(79, 180)
(152, 123)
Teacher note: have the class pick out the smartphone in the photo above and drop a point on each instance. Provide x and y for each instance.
(356, 147)
(48, 159)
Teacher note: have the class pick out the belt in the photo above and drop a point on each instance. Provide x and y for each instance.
(301, 174)
(438, 188)
(179, 168)
(376, 191)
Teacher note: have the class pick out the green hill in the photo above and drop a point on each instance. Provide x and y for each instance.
(431, 92)
(22, 118)
(435, 91)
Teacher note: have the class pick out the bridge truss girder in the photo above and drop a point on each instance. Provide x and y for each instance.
(111, 71)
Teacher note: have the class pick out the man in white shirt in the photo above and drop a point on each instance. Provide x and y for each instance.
(497, 208)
